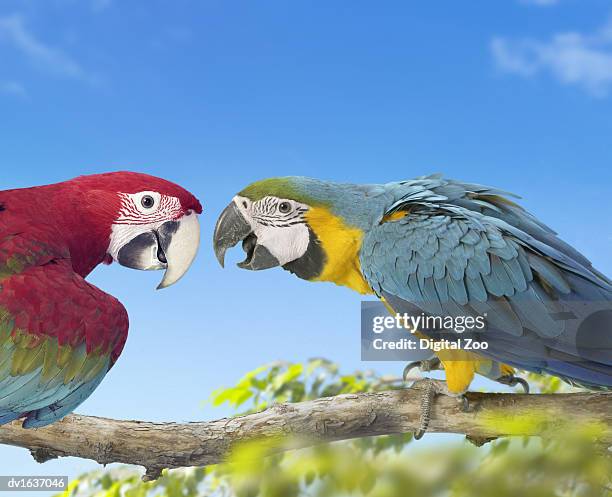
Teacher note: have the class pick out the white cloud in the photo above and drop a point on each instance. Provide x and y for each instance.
(509, 58)
(572, 58)
(14, 32)
(541, 3)
(13, 88)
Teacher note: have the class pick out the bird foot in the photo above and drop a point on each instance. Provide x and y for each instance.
(431, 389)
(432, 364)
(512, 381)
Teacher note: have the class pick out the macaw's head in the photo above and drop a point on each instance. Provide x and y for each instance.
(147, 222)
(307, 226)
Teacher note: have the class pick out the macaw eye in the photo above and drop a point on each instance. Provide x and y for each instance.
(147, 201)
(284, 207)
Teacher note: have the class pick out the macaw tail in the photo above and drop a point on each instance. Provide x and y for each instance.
(581, 354)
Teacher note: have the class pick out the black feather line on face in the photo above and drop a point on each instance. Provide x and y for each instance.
(2, 208)
(277, 224)
(311, 264)
(266, 213)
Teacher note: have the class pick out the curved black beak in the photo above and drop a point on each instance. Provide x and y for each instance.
(232, 227)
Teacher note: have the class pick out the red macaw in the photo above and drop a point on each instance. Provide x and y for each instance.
(59, 334)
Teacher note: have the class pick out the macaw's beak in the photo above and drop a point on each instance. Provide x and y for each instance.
(172, 246)
(231, 228)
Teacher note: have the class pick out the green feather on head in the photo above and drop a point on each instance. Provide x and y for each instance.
(290, 187)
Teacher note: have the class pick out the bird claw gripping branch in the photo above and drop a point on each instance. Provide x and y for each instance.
(430, 390)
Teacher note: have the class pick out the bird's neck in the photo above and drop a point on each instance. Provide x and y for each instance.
(341, 244)
(68, 217)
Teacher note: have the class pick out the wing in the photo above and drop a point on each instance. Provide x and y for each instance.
(59, 335)
(547, 309)
(435, 191)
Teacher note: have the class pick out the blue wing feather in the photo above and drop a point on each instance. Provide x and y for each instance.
(44, 398)
(63, 406)
(41, 378)
(456, 256)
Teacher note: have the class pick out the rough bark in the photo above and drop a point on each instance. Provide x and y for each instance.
(170, 445)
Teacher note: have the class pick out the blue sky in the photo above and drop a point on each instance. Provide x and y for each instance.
(213, 95)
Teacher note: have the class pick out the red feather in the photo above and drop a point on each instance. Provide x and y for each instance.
(53, 236)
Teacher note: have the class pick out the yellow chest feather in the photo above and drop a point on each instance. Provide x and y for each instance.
(341, 244)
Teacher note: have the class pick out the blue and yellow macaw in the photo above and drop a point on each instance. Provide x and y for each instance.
(441, 247)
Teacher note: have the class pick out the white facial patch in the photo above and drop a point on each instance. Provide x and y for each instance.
(147, 207)
(283, 232)
(285, 243)
(140, 213)
(122, 234)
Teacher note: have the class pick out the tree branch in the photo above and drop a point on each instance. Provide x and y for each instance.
(171, 445)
